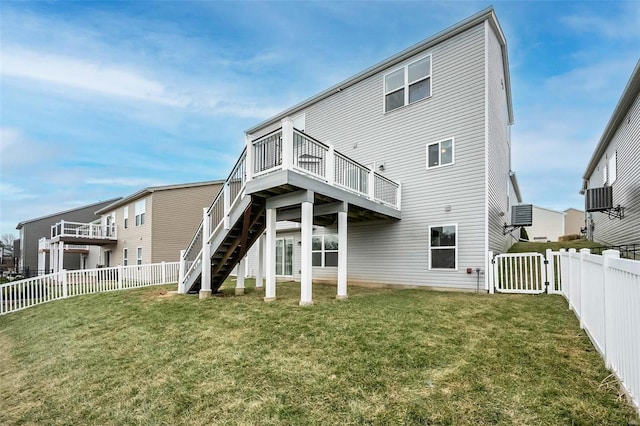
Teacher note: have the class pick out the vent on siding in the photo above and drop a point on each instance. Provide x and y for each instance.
(599, 199)
(522, 215)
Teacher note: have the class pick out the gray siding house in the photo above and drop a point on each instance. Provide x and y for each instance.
(615, 164)
(32, 230)
(432, 123)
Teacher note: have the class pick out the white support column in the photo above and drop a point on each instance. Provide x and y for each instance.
(287, 143)
(42, 259)
(60, 256)
(240, 277)
(52, 258)
(270, 257)
(331, 164)
(306, 275)
(342, 255)
(205, 287)
(248, 167)
(260, 268)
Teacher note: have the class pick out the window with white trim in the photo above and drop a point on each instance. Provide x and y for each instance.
(126, 217)
(125, 257)
(440, 153)
(612, 168)
(443, 247)
(140, 208)
(324, 250)
(139, 258)
(408, 84)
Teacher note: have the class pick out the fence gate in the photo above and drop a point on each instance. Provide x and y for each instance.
(520, 273)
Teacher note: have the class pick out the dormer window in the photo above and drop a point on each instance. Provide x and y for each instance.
(408, 84)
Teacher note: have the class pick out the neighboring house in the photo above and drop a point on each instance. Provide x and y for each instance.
(611, 181)
(548, 225)
(32, 249)
(152, 225)
(397, 175)
(573, 221)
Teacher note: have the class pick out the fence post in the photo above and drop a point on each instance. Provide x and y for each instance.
(65, 290)
(609, 328)
(572, 279)
(120, 270)
(489, 283)
(583, 281)
(181, 271)
(550, 271)
(164, 272)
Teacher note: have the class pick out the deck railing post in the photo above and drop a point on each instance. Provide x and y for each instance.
(287, 143)
(372, 182)
(205, 287)
(330, 172)
(61, 227)
(227, 206)
(248, 167)
(181, 271)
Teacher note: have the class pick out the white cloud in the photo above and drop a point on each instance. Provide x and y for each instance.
(10, 191)
(111, 80)
(125, 181)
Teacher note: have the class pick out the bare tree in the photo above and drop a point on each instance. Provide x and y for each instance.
(6, 240)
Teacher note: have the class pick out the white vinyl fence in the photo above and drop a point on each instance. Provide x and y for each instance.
(18, 295)
(602, 290)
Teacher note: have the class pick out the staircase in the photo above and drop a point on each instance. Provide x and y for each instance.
(283, 161)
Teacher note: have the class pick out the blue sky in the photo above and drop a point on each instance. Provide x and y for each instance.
(99, 100)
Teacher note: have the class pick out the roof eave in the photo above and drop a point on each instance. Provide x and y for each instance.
(629, 94)
(486, 14)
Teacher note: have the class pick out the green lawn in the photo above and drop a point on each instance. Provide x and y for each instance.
(382, 357)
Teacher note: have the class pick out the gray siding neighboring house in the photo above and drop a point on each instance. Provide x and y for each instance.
(616, 163)
(33, 229)
(470, 105)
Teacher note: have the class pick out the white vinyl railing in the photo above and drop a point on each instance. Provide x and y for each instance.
(93, 230)
(602, 290)
(18, 295)
(44, 244)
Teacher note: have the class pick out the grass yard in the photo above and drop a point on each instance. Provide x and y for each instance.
(381, 357)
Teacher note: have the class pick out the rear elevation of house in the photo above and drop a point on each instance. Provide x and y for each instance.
(612, 179)
(397, 175)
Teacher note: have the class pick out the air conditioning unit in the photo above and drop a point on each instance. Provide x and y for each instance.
(522, 215)
(599, 199)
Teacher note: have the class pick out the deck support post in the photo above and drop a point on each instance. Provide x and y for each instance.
(270, 257)
(240, 276)
(342, 255)
(42, 262)
(260, 269)
(52, 258)
(306, 273)
(60, 256)
(205, 286)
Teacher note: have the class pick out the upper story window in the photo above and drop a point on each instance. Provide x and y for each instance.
(611, 170)
(126, 217)
(140, 208)
(408, 84)
(440, 153)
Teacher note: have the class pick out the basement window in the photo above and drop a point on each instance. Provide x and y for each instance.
(443, 247)
(324, 250)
